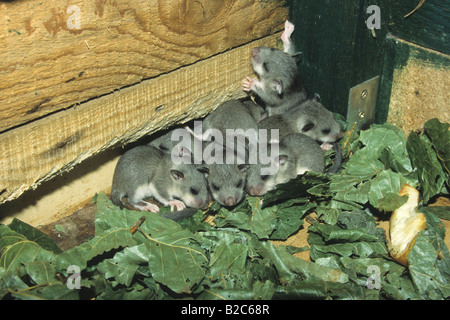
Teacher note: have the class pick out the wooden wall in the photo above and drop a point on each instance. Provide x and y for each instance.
(82, 77)
(340, 52)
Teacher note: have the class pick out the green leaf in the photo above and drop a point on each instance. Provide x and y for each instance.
(271, 253)
(310, 269)
(263, 290)
(34, 235)
(391, 201)
(111, 239)
(385, 136)
(327, 214)
(124, 265)
(262, 221)
(387, 182)
(337, 234)
(60, 228)
(365, 163)
(135, 291)
(313, 288)
(359, 219)
(175, 259)
(439, 135)
(429, 170)
(228, 258)
(288, 266)
(290, 219)
(172, 256)
(42, 272)
(109, 216)
(354, 235)
(342, 182)
(400, 288)
(234, 218)
(51, 292)
(353, 194)
(16, 249)
(233, 258)
(10, 280)
(295, 188)
(357, 249)
(441, 212)
(226, 294)
(400, 163)
(430, 277)
(255, 218)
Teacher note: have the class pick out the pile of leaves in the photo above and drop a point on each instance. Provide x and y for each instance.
(152, 257)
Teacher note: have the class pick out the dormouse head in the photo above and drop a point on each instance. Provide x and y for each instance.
(317, 122)
(266, 175)
(189, 185)
(226, 183)
(275, 68)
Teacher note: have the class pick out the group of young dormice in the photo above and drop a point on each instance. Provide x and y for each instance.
(278, 137)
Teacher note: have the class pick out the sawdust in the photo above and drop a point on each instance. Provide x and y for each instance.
(420, 91)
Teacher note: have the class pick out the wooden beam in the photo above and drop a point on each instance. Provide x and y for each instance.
(44, 148)
(56, 54)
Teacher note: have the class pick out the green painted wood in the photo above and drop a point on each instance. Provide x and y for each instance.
(429, 26)
(339, 52)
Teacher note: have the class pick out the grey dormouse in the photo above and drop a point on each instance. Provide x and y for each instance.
(145, 171)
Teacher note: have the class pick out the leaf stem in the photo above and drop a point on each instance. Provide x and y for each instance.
(172, 245)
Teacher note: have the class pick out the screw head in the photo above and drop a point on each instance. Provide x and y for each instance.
(364, 94)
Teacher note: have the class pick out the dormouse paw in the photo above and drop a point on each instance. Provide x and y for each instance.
(148, 207)
(326, 146)
(177, 204)
(249, 84)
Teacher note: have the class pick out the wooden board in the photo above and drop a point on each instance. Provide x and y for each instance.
(56, 54)
(428, 26)
(36, 152)
(338, 51)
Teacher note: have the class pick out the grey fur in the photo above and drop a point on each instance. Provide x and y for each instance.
(145, 171)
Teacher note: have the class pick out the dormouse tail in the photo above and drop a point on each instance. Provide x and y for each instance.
(338, 158)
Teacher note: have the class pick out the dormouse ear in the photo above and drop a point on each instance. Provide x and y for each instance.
(281, 160)
(277, 86)
(177, 175)
(203, 170)
(316, 97)
(307, 127)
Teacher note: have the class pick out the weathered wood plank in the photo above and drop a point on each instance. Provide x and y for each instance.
(49, 62)
(325, 34)
(428, 27)
(36, 152)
